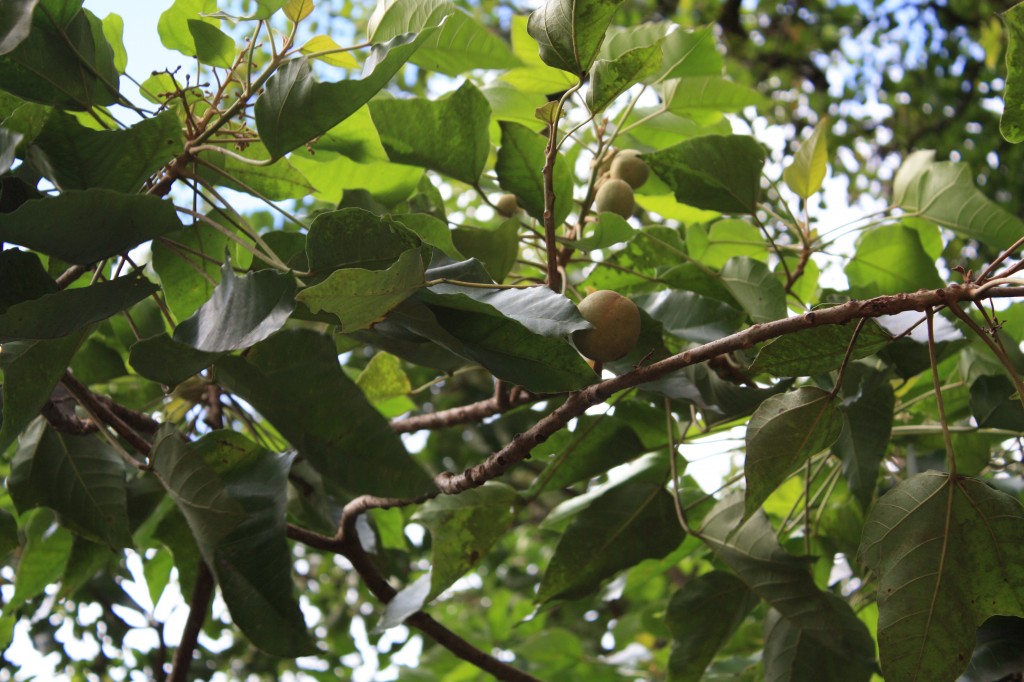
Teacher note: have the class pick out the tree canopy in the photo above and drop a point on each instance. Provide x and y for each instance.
(292, 341)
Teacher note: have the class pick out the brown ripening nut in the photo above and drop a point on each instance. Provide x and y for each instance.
(507, 205)
(616, 321)
(627, 165)
(616, 196)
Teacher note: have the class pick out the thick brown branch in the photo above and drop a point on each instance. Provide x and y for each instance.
(577, 403)
(464, 414)
(201, 595)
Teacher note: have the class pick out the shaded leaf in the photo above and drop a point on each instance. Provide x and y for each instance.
(867, 404)
(496, 249)
(15, 23)
(79, 477)
(83, 227)
(448, 135)
(294, 108)
(627, 524)
(691, 316)
(43, 558)
(782, 434)
(997, 653)
(702, 616)
(597, 444)
(294, 380)
(432, 231)
(213, 46)
(189, 264)
(714, 172)
(242, 311)
(22, 278)
(994, 405)
(570, 32)
(354, 237)
(755, 288)
(818, 349)
(949, 553)
(1011, 122)
(519, 165)
(539, 309)
(277, 181)
(167, 361)
(796, 654)
(611, 78)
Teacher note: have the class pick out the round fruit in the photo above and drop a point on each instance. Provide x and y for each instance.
(616, 196)
(507, 205)
(627, 165)
(616, 329)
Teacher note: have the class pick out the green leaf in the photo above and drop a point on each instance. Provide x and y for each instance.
(432, 231)
(294, 380)
(686, 52)
(294, 108)
(461, 44)
(1011, 122)
(611, 78)
(463, 528)
(702, 617)
(795, 653)
(714, 172)
(31, 371)
(58, 314)
(278, 181)
(8, 533)
(77, 157)
(945, 193)
(496, 249)
(726, 238)
(504, 346)
(173, 25)
(83, 227)
(383, 378)
(998, 652)
(519, 165)
(807, 170)
(534, 76)
(79, 477)
(213, 46)
(819, 349)
(64, 61)
(594, 446)
(113, 31)
(43, 558)
(189, 264)
(358, 297)
(755, 288)
(890, 260)
(22, 278)
(949, 553)
(570, 32)
(448, 135)
(700, 96)
(782, 434)
(691, 316)
(609, 230)
(242, 311)
(994, 404)
(537, 308)
(353, 237)
(233, 493)
(629, 523)
(867, 403)
(167, 361)
(15, 23)
(750, 548)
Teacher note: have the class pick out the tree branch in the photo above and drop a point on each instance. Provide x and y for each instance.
(201, 595)
(464, 414)
(101, 410)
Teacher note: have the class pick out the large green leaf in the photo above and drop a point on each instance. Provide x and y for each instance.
(86, 226)
(31, 371)
(867, 404)
(685, 53)
(294, 380)
(702, 616)
(359, 297)
(519, 165)
(167, 361)
(629, 523)
(755, 288)
(596, 444)
(173, 24)
(43, 557)
(1011, 122)
(700, 96)
(81, 478)
(65, 60)
(945, 193)
(497, 249)
(750, 548)
(461, 44)
(726, 238)
(448, 135)
(77, 157)
(233, 493)
(277, 181)
(819, 349)
(792, 654)
(691, 316)
(189, 264)
(570, 32)
(890, 260)
(22, 278)
(504, 346)
(539, 309)
(242, 311)
(609, 78)
(294, 108)
(354, 237)
(714, 172)
(58, 314)
(213, 46)
(783, 432)
(949, 553)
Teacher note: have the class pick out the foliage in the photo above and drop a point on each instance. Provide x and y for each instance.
(267, 337)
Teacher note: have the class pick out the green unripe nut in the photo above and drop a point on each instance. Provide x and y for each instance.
(627, 165)
(507, 205)
(616, 196)
(616, 321)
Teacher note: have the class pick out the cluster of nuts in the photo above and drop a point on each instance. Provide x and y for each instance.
(625, 172)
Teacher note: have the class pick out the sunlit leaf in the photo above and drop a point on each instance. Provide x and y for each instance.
(520, 160)
(714, 172)
(570, 33)
(807, 170)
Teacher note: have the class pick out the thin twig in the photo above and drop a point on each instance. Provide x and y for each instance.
(202, 592)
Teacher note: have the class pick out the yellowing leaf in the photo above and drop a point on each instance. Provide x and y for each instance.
(323, 48)
(807, 171)
(297, 10)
